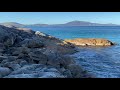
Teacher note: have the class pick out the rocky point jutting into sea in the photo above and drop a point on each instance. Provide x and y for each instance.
(90, 42)
(28, 54)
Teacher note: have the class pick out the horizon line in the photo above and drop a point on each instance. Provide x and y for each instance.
(56, 23)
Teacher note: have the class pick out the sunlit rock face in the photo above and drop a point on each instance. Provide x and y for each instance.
(90, 42)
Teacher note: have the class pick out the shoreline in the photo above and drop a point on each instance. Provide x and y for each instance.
(26, 53)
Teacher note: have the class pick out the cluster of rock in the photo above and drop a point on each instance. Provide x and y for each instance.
(90, 42)
(28, 54)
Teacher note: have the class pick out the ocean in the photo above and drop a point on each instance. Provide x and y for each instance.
(103, 62)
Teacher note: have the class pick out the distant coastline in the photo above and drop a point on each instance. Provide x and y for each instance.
(72, 23)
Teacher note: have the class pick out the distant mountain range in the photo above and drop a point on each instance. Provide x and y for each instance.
(72, 23)
(12, 24)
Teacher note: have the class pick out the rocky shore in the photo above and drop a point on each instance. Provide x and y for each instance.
(90, 42)
(28, 54)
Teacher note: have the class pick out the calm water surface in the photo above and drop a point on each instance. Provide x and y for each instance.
(104, 62)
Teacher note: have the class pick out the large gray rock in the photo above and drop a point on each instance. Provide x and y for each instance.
(28, 69)
(3, 58)
(58, 60)
(4, 71)
(32, 43)
(9, 40)
(23, 62)
(67, 73)
(3, 33)
(38, 57)
(76, 70)
(66, 60)
(21, 50)
(14, 66)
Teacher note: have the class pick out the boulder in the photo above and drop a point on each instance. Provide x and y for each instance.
(21, 50)
(3, 58)
(4, 71)
(23, 63)
(75, 70)
(52, 58)
(58, 60)
(6, 37)
(67, 73)
(40, 33)
(32, 43)
(90, 42)
(3, 33)
(14, 66)
(66, 60)
(38, 57)
(9, 40)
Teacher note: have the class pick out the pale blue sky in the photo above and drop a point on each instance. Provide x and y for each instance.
(59, 17)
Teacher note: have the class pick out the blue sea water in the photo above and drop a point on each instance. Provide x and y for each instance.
(104, 62)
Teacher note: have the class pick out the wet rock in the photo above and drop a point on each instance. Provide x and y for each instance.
(4, 71)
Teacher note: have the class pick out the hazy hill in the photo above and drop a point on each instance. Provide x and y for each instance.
(72, 23)
(84, 23)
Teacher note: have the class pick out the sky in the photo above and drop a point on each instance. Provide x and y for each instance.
(59, 17)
